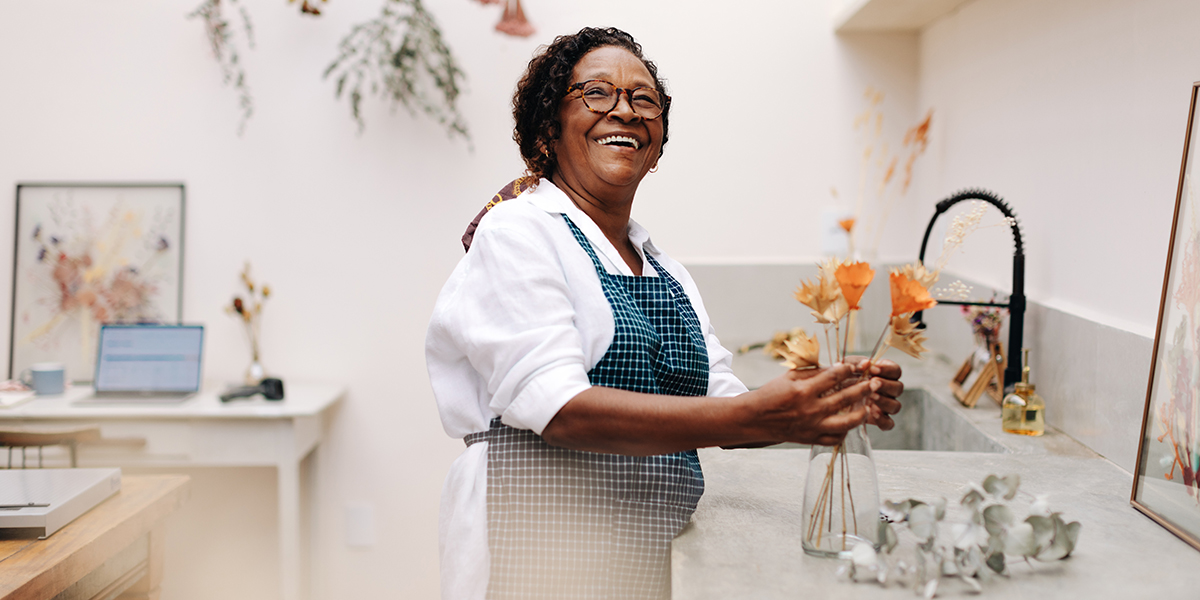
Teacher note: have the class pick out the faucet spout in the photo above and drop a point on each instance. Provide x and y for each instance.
(1016, 301)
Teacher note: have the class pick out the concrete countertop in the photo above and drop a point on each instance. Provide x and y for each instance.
(744, 540)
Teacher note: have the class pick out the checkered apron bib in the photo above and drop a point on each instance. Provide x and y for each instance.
(565, 524)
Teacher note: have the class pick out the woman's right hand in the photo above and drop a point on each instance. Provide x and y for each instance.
(813, 406)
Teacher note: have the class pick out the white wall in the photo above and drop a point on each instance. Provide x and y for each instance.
(1074, 111)
(356, 233)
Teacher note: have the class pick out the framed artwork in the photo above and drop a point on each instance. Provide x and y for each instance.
(88, 254)
(1165, 486)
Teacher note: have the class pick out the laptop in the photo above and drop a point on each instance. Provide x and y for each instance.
(147, 364)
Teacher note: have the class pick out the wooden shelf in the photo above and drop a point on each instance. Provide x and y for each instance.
(895, 16)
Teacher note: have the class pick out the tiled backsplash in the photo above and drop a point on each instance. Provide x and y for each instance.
(1093, 377)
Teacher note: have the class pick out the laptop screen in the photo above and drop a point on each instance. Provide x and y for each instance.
(149, 358)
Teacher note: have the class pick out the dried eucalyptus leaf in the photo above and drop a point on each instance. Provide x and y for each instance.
(1072, 531)
(973, 535)
(1014, 482)
(922, 522)
(887, 536)
(973, 584)
(1057, 550)
(995, 562)
(1063, 543)
(896, 512)
(996, 517)
(971, 562)
(1019, 541)
(973, 497)
(930, 589)
(863, 556)
(950, 564)
(939, 508)
(1005, 487)
(1043, 530)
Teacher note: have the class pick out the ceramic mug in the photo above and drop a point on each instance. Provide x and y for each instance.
(45, 378)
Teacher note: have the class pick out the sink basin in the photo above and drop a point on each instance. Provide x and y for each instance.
(926, 424)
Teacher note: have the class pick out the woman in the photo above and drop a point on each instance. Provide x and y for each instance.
(576, 359)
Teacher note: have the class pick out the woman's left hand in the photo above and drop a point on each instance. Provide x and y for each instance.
(886, 388)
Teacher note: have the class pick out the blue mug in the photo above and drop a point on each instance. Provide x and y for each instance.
(45, 378)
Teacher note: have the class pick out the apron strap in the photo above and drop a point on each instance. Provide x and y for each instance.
(481, 436)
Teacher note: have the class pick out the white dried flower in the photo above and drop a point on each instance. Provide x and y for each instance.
(955, 291)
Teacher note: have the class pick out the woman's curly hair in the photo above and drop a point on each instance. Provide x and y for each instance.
(545, 83)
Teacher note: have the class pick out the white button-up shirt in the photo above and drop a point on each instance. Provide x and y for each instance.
(517, 327)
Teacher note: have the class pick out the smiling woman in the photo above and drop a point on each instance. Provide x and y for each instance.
(576, 361)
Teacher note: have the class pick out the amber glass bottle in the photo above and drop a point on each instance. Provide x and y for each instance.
(1023, 411)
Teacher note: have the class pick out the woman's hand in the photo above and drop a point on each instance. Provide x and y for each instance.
(812, 406)
(886, 385)
(815, 406)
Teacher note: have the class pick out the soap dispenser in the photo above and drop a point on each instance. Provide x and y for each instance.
(1023, 411)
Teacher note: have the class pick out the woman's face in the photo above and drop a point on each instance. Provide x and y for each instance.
(606, 155)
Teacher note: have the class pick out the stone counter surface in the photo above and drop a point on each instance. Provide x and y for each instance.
(744, 540)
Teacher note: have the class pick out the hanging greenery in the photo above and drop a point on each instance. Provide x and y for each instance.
(400, 55)
(224, 47)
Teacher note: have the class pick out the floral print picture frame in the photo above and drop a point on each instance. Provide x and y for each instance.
(88, 254)
(1166, 486)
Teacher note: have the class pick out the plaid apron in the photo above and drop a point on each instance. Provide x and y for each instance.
(565, 524)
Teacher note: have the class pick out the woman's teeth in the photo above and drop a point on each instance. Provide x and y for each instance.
(620, 140)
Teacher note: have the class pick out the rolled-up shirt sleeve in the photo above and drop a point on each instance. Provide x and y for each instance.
(508, 310)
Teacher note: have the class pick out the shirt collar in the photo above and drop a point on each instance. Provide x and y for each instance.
(549, 198)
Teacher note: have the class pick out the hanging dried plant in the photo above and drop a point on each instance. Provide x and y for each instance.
(225, 49)
(400, 55)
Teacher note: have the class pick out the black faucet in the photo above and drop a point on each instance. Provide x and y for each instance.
(1016, 301)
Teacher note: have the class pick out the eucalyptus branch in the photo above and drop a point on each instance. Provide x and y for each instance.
(400, 55)
(226, 51)
(970, 551)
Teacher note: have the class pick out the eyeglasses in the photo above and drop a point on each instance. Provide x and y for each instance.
(600, 96)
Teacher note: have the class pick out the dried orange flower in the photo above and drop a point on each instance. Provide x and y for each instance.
(796, 348)
(854, 278)
(917, 139)
(775, 347)
(825, 296)
(908, 295)
(847, 224)
(905, 337)
(916, 271)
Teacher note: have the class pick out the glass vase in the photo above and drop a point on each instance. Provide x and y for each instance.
(841, 497)
(254, 373)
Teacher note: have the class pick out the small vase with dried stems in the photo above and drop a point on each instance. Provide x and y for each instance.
(249, 311)
(841, 496)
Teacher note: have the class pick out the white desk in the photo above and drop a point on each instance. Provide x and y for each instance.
(204, 432)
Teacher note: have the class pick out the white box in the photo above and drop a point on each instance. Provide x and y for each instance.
(44, 500)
